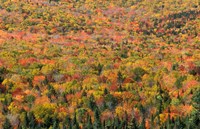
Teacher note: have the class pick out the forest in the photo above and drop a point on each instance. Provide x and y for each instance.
(99, 64)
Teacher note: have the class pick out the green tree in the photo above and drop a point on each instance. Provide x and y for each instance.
(117, 123)
(195, 115)
(111, 101)
(152, 122)
(91, 103)
(31, 120)
(89, 123)
(120, 79)
(7, 124)
(55, 125)
(30, 99)
(68, 122)
(75, 123)
(2, 72)
(132, 124)
(45, 112)
(168, 119)
(138, 73)
(97, 120)
(179, 81)
(24, 119)
(99, 69)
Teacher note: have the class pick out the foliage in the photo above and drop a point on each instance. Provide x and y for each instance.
(99, 64)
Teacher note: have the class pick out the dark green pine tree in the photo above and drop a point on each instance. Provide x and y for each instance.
(108, 123)
(30, 83)
(112, 124)
(122, 124)
(180, 124)
(68, 122)
(104, 124)
(38, 126)
(116, 123)
(142, 126)
(158, 122)
(92, 105)
(142, 110)
(106, 91)
(31, 120)
(120, 79)
(24, 122)
(99, 68)
(187, 121)
(46, 81)
(132, 124)
(168, 119)
(75, 123)
(152, 122)
(97, 120)
(55, 125)
(89, 123)
(172, 122)
(195, 115)
(7, 124)
(64, 125)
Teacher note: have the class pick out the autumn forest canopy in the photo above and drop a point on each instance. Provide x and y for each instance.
(99, 64)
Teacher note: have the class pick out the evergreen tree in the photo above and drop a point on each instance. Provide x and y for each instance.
(7, 124)
(122, 124)
(142, 126)
(168, 119)
(108, 124)
(195, 115)
(133, 124)
(104, 124)
(99, 68)
(97, 120)
(29, 80)
(75, 122)
(91, 103)
(31, 120)
(89, 123)
(120, 78)
(55, 125)
(106, 91)
(152, 122)
(24, 120)
(38, 126)
(68, 122)
(64, 125)
(116, 123)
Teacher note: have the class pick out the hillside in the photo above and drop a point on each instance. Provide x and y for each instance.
(99, 64)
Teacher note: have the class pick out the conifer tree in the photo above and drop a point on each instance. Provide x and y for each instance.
(97, 120)
(133, 124)
(152, 122)
(75, 122)
(31, 120)
(24, 120)
(7, 124)
(168, 119)
(55, 125)
(89, 123)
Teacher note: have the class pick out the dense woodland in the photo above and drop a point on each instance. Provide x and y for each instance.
(99, 64)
